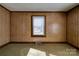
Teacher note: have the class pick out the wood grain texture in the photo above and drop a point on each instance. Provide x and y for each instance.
(21, 27)
(4, 26)
(73, 27)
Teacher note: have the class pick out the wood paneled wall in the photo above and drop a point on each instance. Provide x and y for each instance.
(21, 27)
(55, 27)
(73, 26)
(4, 26)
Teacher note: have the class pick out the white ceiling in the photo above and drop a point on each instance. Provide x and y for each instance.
(39, 6)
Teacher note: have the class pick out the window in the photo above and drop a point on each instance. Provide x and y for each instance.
(38, 25)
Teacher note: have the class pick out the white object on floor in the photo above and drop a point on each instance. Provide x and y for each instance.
(35, 52)
(51, 55)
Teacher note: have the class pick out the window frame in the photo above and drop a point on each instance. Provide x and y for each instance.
(44, 27)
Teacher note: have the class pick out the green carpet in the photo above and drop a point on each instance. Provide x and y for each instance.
(22, 49)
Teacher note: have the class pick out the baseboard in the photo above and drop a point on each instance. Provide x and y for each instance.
(5, 44)
(41, 42)
(72, 45)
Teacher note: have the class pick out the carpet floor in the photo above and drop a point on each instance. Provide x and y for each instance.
(13, 49)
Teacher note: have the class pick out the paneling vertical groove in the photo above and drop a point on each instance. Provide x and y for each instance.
(4, 26)
(21, 27)
(73, 26)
